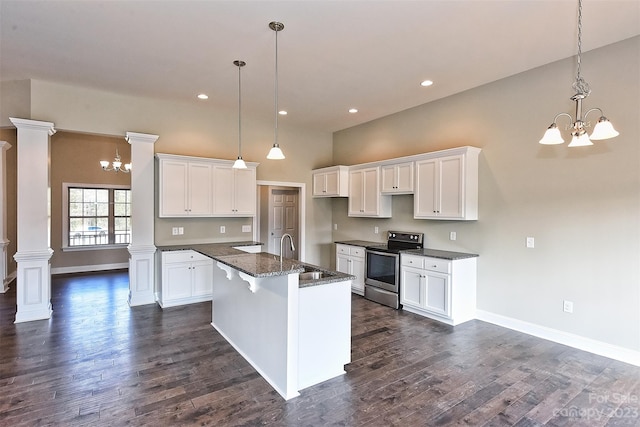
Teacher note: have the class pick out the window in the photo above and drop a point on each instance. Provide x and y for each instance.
(97, 216)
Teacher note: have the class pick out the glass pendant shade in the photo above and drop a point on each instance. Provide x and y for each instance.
(603, 130)
(552, 136)
(580, 140)
(239, 164)
(104, 164)
(275, 153)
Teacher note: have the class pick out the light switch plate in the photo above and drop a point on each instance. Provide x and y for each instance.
(223, 229)
(530, 242)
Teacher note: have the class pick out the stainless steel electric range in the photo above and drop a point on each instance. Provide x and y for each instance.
(382, 279)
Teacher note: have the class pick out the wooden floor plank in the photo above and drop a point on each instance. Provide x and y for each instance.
(100, 362)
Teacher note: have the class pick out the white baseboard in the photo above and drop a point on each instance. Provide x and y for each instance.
(576, 341)
(89, 268)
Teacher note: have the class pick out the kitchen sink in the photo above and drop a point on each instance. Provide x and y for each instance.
(311, 273)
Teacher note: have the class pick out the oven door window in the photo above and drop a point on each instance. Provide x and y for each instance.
(382, 268)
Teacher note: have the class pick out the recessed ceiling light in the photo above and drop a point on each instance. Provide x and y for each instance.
(353, 110)
(203, 96)
(426, 83)
(282, 113)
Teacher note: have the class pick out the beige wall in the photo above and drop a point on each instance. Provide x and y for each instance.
(75, 159)
(10, 136)
(189, 128)
(582, 205)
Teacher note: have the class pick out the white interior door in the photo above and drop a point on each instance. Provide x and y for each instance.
(283, 218)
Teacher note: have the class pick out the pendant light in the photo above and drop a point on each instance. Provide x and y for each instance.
(239, 163)
(603, 128)
(276, 153)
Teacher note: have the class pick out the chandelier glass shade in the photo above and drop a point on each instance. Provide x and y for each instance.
(579, 138)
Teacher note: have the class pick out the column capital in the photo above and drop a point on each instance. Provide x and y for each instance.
(141, 137)
(33, 125)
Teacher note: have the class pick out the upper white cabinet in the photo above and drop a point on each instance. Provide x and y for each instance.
(364, 194)
(397, 178)
(197, 186)
(185, 188)
(446, 185)
(331, 182)
(234, 191)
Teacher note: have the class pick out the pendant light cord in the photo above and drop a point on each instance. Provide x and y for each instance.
(275, 141)
(239, 111)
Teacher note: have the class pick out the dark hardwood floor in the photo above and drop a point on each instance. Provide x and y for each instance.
(99, 362)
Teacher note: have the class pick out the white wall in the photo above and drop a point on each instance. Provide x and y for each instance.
(582, 205)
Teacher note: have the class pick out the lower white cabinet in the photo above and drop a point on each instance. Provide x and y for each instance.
(351, 260)
(185, 277)
(441, 289)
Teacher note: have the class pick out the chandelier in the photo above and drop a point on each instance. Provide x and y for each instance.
(116, 165)
(603, 128)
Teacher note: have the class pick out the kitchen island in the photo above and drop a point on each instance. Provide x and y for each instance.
(295, 333)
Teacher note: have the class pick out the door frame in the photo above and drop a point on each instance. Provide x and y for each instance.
(301, 186)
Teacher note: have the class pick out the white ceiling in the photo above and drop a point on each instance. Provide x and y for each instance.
(332, 55)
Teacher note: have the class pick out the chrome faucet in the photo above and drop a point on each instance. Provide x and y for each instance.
(293, 248)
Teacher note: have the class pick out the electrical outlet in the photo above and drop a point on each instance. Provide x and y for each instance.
(335, 226)
(223, 229)
(375, 230)
(174, 231)
(452, 235)
(531, 242)
(246, 229)
(567, 306)
(180, 230)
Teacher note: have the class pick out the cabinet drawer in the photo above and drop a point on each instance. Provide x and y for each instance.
(183, 256)
(342, 249)
(412, 261)
(437, 264)
(357, 251)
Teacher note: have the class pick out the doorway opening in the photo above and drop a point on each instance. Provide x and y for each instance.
(281, 210)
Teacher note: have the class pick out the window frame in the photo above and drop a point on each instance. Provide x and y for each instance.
(65, 217)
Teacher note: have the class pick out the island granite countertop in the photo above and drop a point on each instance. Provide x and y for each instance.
(260, 264)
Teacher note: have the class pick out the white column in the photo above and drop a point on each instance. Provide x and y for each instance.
(142, 249)
(34, 220)
(4, 242)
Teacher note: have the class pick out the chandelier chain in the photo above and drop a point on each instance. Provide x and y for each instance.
(580, 85)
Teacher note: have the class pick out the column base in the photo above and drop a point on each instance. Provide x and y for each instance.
(141, 275)
(33, 286)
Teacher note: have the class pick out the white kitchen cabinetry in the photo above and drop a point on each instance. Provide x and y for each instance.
(184, 188)
(185, 277)
(441, 289)
(331, 182)
(351, 260)
(364, 194)
(234, 191)
(446, 186)
(397, 178)
(204, 187)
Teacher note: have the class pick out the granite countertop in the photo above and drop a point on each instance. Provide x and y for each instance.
(261, 264)
(363, 243)
(435, 253)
